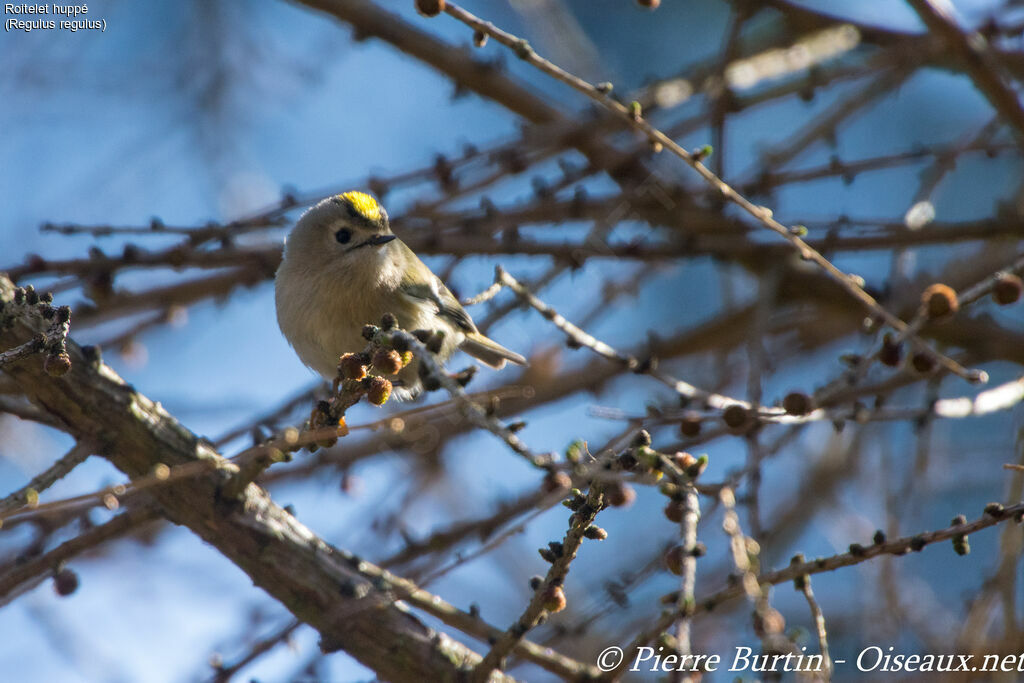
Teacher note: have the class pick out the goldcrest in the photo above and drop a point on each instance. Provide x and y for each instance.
(343, 268)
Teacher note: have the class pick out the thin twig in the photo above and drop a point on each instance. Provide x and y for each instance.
(897, 547)
(21, 576)
(29, 494)
(983, 67)
(113, 496)
(582, 338)
(25, 350)
(686, 601)
(803, 584)
(475, 413)
(762, 214)
(225, 673)
(540, 604)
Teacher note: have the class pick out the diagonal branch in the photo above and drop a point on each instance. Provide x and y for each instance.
(982, 66)
(483, 78)
(29, 494)
(21, 576)
(321, 585)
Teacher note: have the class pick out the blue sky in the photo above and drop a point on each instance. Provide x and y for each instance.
(105, 128)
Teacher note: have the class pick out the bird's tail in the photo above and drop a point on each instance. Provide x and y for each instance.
(489, 351)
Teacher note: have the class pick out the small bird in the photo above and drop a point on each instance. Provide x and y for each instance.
(343, 268)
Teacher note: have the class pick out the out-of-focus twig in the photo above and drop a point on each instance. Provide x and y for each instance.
(29, 494)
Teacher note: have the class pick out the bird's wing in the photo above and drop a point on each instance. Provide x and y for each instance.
(420, 283)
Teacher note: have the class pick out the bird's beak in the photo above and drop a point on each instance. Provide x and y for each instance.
(374, 241)
(378, 240)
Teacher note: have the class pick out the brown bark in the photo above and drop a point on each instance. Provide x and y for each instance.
(321, 585)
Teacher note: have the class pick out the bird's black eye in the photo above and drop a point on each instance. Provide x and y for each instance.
(343, 236)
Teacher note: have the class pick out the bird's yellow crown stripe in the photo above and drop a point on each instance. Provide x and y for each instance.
(366, 205)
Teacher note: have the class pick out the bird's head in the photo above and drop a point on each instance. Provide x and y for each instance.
(345, 229)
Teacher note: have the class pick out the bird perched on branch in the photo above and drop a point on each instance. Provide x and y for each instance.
(344, 268)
